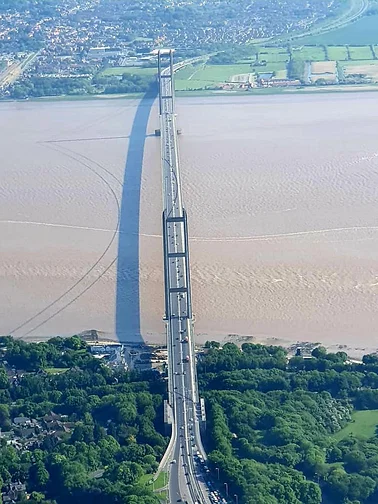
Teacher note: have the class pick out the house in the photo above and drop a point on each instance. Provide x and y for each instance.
(16, 444)
(265, 76)
(22, 421)
(13, 492)
(52, 417)
(27, 432)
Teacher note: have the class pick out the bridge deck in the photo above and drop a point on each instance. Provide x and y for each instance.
(185, 481)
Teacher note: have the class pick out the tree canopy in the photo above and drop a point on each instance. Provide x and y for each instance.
(95, 431)
(272, 422)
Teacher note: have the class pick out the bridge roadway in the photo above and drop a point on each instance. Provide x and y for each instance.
(186, 483)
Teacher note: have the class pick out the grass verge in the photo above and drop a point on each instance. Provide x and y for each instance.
(129, 70)
(363, 425)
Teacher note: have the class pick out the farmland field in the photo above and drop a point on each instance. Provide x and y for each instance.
(363, 31)
(353, 63)
(273, 54)
(323, 70)
(360, 53)
(337, 53)
(271, 67)
(221, 73)
(363, 425)
(368, 68)
(201, 76)
(323, 67)
(309, 53)
(193, 84)
(188, 71)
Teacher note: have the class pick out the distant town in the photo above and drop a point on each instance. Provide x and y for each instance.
(79, 47)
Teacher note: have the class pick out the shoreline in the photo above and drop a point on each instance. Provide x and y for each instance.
(291, 345)
(335, 89)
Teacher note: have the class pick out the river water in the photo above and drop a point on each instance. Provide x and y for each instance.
(281, 193)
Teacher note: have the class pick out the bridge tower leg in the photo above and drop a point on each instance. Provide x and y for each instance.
(159, 82)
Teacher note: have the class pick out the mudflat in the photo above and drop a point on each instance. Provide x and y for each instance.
(281, 194)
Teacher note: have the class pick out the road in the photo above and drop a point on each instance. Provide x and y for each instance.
(15, 70)
(186, 482)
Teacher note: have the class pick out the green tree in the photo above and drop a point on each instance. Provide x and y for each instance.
(361, 487)
(319, 352)
(310, 493)
(355, 461)
(338, 484)
(5, 421)
(38, 475)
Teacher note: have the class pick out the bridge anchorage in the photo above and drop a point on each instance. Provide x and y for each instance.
(184, 410)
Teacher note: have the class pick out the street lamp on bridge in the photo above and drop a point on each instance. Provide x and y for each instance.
(226, 488)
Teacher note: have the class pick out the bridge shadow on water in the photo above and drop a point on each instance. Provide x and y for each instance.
(127, 292)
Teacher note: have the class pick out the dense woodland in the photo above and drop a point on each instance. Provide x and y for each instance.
(116, 433)
(271, 423)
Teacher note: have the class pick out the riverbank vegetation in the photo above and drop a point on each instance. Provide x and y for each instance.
(73, 430)
(39, 87)
(291, 430)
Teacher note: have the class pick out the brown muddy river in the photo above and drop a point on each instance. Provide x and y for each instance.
(282, 198)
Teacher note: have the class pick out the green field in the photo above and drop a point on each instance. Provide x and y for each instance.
(203, 76)
(273, 54)
(188, 71)
(271, 67)
(187, 78)
(158, 485)
(309, 53)
(269, 54)
(337, 53)
(129, 70)
(194, 85)
(361, 32)
(359, 62)
(221, 73)
(55, 370)
(360, 53)
(363, 425)
(160, 482)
